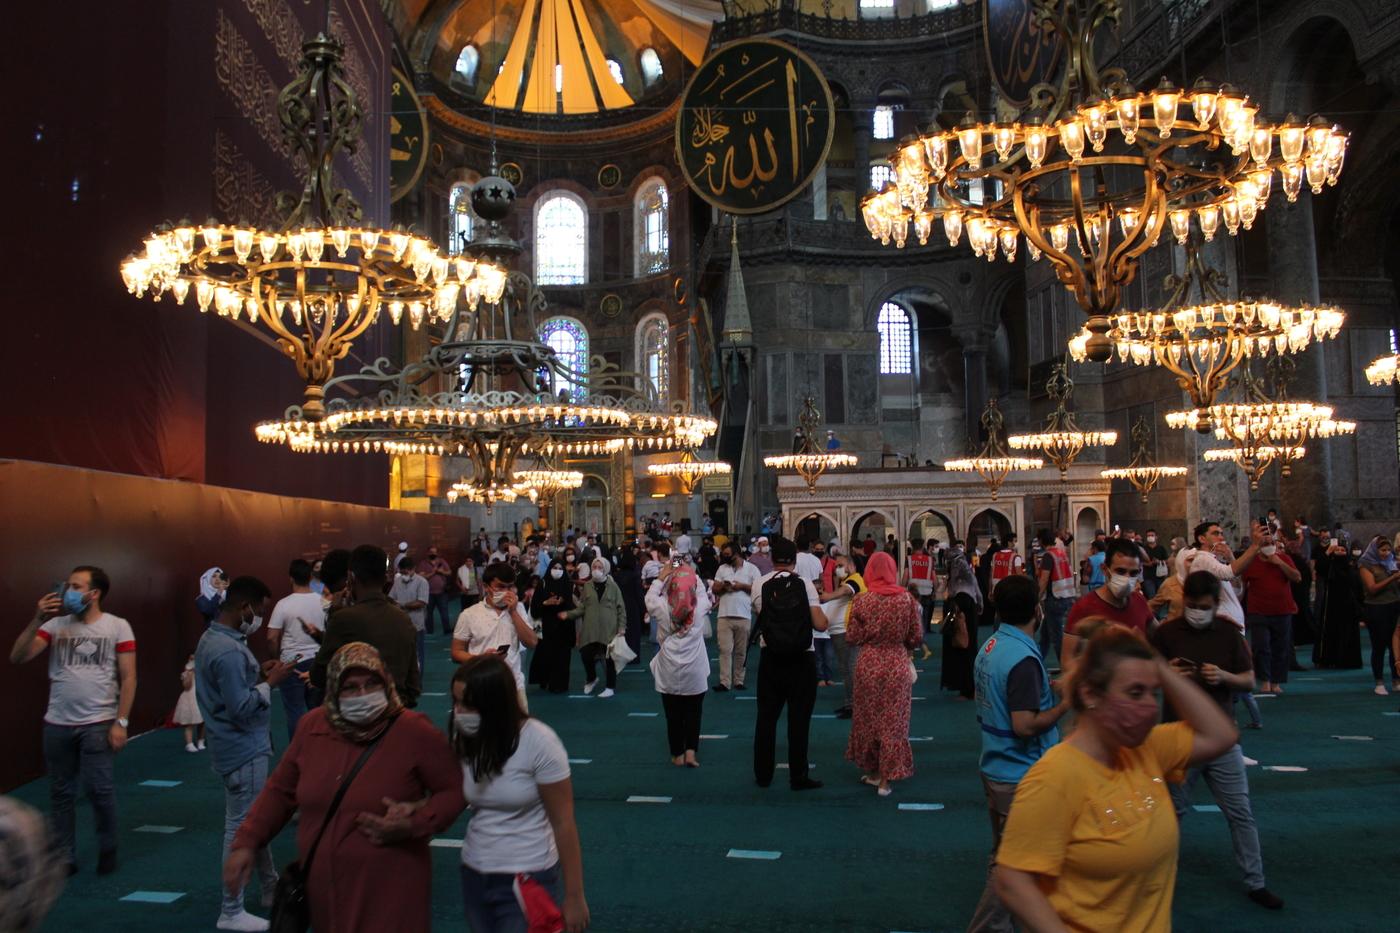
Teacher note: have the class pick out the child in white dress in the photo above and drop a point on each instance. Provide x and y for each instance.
(187, 710)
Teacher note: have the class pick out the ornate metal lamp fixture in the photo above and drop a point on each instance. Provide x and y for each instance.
(689, 470)
(322, 278)
(1384, 370)
(1062, 441)
(1201, 343)
(1141, 472)
(808, 460)
(994, 462)
(1062, 174)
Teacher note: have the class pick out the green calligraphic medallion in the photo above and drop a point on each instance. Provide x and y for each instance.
(755, 125)
(1020, 53)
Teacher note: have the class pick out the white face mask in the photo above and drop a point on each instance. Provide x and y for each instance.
(842, 573)
(1356, 552)
(406, 577)
(467, 723)
(765, 549)
(498, 599)
(1151, 539)
(1268, 550)
(1199, 618)
(1121, 585)
(599, 576)
(367, 707)
(556, 573)
(251, 626)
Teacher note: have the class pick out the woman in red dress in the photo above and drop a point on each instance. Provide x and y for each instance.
(886, 623)
(372, 869)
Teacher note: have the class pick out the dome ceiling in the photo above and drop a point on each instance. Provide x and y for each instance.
(566, 56)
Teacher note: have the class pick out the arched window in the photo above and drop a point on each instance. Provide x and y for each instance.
(896, 340)
(651, 67)
(569, 341)
(561, 240)
(881, 172)
(653, 353)
(652, 219)
(460, 219)
(615, 69)
(467, 63)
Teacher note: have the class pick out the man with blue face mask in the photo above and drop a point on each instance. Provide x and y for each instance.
(237, 710)
(92, 685)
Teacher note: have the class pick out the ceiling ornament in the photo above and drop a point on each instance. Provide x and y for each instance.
(993, 462)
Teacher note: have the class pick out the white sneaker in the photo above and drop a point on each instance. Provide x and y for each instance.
(189, 747)
(588, 687)
(605, 694)
(1381, 691)
(200, 745)
(242, 921)
(1249, 762)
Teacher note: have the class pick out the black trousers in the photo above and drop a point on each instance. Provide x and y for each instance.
(590, 654)
(682, 721)
(791, 680)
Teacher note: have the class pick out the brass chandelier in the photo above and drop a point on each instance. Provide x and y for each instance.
(689, 470)
(1141, 473)
(322, 278)
(1062, 441)
(1384, 370)
(993, 462)
(1103, 164)
(809, 461)
(1202, 341)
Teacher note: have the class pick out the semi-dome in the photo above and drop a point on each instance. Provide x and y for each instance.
(568, 57)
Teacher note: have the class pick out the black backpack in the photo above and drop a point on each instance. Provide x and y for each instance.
(785, 621)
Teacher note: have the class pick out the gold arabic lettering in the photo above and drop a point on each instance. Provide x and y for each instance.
(727, 176)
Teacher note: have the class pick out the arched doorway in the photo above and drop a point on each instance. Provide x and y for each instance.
(985, 525)
(1086, 523)
(875, 525)
(588, 506)
(816, 527)
(932, 525)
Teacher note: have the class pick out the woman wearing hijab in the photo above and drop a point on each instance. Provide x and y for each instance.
(604, 618)
(1380, 585)
(961, 608)
(886, 623)
(679, 603)
(213, 584)
(1339, 609)
(553, 601)
(372, 870)
(628, 577)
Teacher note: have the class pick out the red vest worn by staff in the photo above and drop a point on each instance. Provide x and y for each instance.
(1062, 585)
(1003, 564)
(921, 571)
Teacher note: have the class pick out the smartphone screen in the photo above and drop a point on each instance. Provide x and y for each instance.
(503, 649)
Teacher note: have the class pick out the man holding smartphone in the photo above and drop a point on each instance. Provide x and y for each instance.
(496, 625)
(292, 631)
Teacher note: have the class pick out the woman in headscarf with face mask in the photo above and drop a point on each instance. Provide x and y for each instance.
(1339, 608)
(1380, 585)
(1091, 839)
(961, 609)
(371, 869)
(604, 617)
(213, 584)
(552, 602)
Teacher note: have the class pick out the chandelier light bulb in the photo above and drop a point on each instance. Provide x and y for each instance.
(1072, 137)
(1036, 138)
(1164, 104)
(970, 143)
(1203, 101)
(953, 226)
(936, 149)
(1126, 109)
(1059, 236)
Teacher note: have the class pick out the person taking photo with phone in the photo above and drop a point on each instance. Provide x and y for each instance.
(496, 625)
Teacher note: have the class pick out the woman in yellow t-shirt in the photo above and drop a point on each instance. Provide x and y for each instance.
(1091, 840)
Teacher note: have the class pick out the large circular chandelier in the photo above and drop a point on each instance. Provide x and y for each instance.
(493, 392)
(321, 278)
(993, 462)
(1202, 342)
(1101, 164)
(807, 460)
(1062, 441)
(1141, 472)
(689, 470)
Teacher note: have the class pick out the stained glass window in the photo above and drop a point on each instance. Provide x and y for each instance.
(569, 341)
(561, 240)
(653, 228)
(460, 220)
(896, 340)
(653, 353)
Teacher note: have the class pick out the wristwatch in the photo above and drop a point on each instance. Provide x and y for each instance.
(123, 721)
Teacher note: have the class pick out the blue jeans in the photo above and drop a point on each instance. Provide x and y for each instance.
(1052, 629)
(489, 899)
(297, 697)
(1271, 637)
(241, 787)
(74, 753)
(826, 658)
(441, 605)
(1250, 704)
(1225, 776)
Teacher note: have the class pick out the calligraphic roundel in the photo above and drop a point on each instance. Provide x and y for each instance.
(755, 125)
(1020, 54)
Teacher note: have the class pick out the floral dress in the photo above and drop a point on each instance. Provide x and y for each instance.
(886, 628)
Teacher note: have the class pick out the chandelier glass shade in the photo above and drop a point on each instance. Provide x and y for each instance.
(1384, 371)
(321, 278)
(1255, 460)
(1062, 442)
(807, 460)
(689, 470)
(993, 462)
(1141, 472)
(1098, 170)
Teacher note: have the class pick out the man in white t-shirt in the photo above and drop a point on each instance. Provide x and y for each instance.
(683, 544)
(496, 625)
(92, 685)
(735, 583)
(412, 592)
(785, 679)
(1213, 555)
(292, 633)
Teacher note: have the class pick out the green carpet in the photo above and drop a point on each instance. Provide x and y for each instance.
(850, 861)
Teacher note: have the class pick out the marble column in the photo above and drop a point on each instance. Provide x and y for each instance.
(974, 391)
(862, 130)
(1293, 280)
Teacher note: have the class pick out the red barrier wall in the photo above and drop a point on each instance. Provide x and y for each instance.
(154, 538)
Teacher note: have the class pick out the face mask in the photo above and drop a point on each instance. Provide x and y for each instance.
(249, 626)
(73, 602)
(842, 573)
(1121, 586)
(1151, 539)
(568, 558)
(364, 708)
(1268, 550)
(599, 576)
(1356, 552)
(498, 599)
(556, 573)
(1199, 618)
(406, 577)
(1128, 721)
(765, 549)
(467, 723)
(819, 554)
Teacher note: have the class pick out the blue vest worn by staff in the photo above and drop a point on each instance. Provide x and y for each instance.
(1005, 756)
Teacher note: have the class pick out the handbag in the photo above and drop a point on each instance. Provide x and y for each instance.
(542, 915)
(291, 905)
(621, 653)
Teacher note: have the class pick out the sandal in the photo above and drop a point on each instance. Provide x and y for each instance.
(870, 781)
